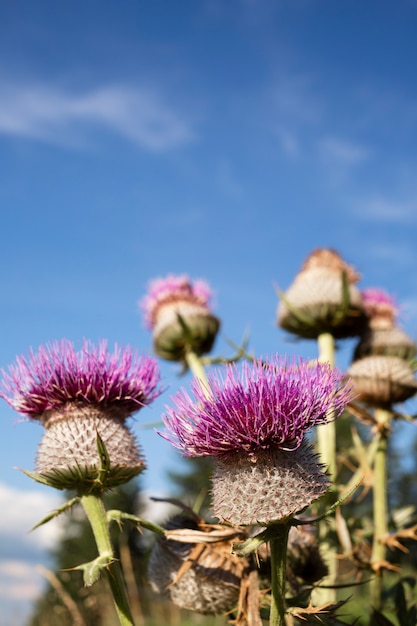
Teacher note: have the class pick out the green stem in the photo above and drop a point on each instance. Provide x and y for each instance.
(96, 514)
(197, 368)
(326, 433)
(278, 547)
(326, 444)
(380, 504)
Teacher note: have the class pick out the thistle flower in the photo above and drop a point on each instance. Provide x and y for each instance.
(253, 423)
(382, 335)
(323, 298)
(379, 306)
(178, 313)
(78, 396)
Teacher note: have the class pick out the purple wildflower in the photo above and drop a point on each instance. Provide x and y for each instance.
(264, 406)
(173, 289)
(58, 375)
(377, 301)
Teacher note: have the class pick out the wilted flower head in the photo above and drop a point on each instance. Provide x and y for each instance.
(323, 298)
(253, 422)
(206, 576)
(78, 396)
(177, 310)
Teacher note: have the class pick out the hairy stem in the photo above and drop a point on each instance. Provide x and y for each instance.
(278, 546)
(96, 514)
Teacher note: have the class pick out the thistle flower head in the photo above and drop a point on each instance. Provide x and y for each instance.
(262, 406)
(83, 399)
(58, 376)
(177, 311)
(382, 335)
(383, 380)
(378, 302)
(173, 289)
(323, 298)
(211, 583)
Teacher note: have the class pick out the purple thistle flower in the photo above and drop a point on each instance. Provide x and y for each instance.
(59, 375)
(263, 406)
(378, 303)
(383, 336)
(253, 422)
(83, 399)
(173, 289)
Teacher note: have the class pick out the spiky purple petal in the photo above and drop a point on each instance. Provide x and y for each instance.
(257, 407)
(57, 375)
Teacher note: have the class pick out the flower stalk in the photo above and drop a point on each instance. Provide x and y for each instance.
(326, 433)
(326, 444)
(196, 367)
(96, 514)
(380, 504)
(278, 547)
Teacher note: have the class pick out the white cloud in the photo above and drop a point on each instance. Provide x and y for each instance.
(408, 311)
(21, 510)
(394, 254)
(19, 580)
(292, 110)
(21, 551)
(56, 116)
(387, 210)
(342, 151)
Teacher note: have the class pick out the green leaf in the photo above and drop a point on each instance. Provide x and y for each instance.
(104, 457)
(298, 315)
(119, 516)
(312, 520)
(345, 295)
(378, 619)
(43, 480)
(58, 511)
(401, 605)
(92, 570)
(186, 330)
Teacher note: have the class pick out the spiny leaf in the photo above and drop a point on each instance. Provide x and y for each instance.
(119, 516)
(92, 570)
(56, 512)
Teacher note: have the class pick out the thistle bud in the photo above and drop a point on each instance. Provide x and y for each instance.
(382, 381)
(178, 313)
(323, 299)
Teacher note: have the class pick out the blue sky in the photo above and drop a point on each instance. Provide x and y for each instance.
(225, 139)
